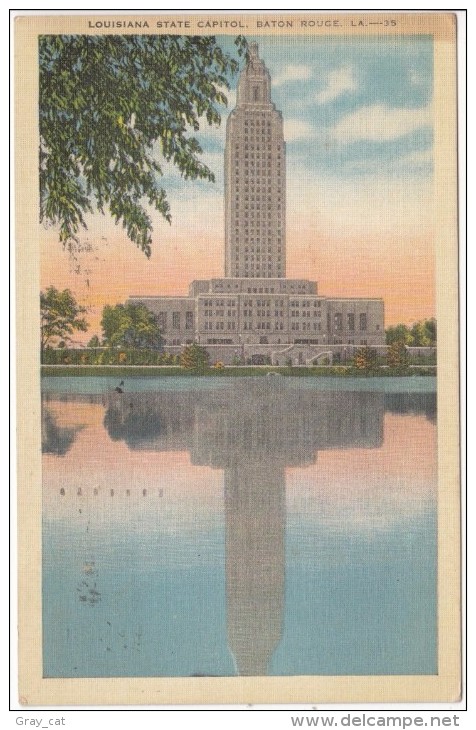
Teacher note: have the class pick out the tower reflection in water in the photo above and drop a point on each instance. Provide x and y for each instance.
(253, 431)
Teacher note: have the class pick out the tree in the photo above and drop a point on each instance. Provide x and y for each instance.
(397, 356)
(398, 333)
(195, 358)
(365, 359)
(94, 341)
(109, 106)
(420, 334)
(431, 330)
(60, 316)
(130, 325)
(424, 333)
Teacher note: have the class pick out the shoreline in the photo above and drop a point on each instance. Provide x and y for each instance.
(342, 371)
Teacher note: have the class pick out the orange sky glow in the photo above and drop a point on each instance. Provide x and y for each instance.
(397, 266)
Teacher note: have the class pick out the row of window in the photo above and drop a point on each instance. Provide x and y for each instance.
(266, 160)
(263, 258)
(252, 164)
(262, 147)
(305, 326)
(176, 320)
(303, 303)
(339, 321)
(219, 313)
(258, 121)
(264, 187)
(256, 162)
(259, 239)
(268, 325)
(260, 199)
(260, 230)
(219, 302)
(297, 313)
(263, 313)
(257, 249)
(257, 275)
(255, 270)
(265, 290)
(263, 138)
(259, 187)
(251, 290)
(259, 214)
(256, 205)
(231, 324)
(220, 325)
(209, 304)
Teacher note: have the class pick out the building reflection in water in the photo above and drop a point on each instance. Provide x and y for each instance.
(253, 431)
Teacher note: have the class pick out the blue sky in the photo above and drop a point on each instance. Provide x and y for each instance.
(351, 107)
(357, 123)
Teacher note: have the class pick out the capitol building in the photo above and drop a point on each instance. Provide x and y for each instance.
(254, 314)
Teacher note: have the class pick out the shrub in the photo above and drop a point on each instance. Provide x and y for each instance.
(366, 359)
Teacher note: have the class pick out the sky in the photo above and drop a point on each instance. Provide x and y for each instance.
(359, 148)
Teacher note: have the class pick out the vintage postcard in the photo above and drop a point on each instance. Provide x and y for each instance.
(238, 358)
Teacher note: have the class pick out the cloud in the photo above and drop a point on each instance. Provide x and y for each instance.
(380, 123)
(292, 73)
(297, 129)
(339, 81)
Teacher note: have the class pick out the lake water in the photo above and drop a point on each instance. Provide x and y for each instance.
(242, 526)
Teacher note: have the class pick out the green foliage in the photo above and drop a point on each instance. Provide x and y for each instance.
(366, 360)
(130, 326)
(94, 341)
(109, 106)
(420, 334)
(106, 356)
(59, 316)
(195, 358)
(424, 333)
(397, 356)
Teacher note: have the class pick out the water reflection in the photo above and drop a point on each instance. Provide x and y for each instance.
(55, 439)
(253, 431)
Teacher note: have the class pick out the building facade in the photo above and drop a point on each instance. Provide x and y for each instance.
(254, 314)
(255, 179)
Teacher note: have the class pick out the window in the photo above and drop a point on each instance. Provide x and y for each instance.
(162, 321)
(351, 321)
(188, 320)
(338, 321)
(176, 320)
(363, 322)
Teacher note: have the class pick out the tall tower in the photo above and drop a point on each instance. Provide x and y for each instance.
(255, 179)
